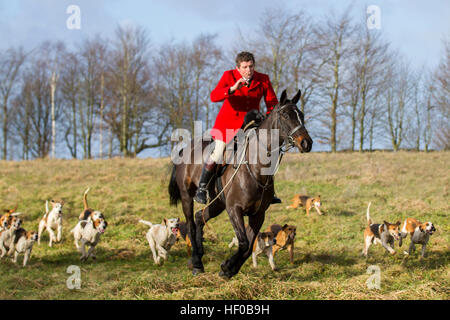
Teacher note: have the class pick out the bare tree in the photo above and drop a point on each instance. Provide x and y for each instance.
(429, 113)
(441, 96)
(71, 94)
(398, 96)
(130, 90)
(373, 58)
(334, 36)
(92, 71)
(36, 105)
(206, 61)
(10, 63)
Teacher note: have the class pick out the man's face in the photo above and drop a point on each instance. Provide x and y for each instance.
(246, 69)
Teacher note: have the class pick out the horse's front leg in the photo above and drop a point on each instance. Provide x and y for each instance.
(246, 238)
(229, 267)
(201, 217)
(195, 261)
(254, 222)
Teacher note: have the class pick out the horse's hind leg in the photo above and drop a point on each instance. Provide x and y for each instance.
(201, 217)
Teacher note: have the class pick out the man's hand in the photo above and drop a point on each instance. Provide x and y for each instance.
(241, 82)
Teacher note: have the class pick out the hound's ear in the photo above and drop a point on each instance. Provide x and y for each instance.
(178, 220)
(165, 221)
(420, 228)
(62, 202)
(285, 226)
(283, 97)
(386, 223)
(297, 97)
(398, 223)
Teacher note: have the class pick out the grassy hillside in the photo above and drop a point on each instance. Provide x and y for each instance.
(327, 264)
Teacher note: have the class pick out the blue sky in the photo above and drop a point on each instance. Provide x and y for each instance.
(414, 27)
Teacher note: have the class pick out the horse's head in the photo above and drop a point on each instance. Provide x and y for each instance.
(290, 122)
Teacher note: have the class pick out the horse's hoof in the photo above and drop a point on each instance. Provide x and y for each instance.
(225, 273)
(189, 264)
(196, 271)
(224, 276)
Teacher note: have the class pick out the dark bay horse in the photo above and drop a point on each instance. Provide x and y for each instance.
(248, 194)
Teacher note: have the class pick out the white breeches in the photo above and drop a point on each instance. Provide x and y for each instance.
(219, 148)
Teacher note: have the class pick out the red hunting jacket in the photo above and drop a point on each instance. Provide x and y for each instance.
(231, 115)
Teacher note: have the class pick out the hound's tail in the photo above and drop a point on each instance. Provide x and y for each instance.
(369, 221)
(11, 210)
(146, 222)
(85, 199)
(234, 242)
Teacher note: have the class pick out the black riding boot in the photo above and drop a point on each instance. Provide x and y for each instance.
(208, 172)
(275, 199)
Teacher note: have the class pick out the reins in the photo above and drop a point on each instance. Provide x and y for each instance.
(235, 171)
(285, 147)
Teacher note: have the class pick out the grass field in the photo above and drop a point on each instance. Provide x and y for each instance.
(327, 257)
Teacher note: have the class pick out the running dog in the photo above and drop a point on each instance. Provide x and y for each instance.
(284, 238)
(52, 221)
(88, 230)
(6, 219)
(380, 233)
(420, 234)
(306, 202)
(161, 237)
(263, 243)
(8, 236)
(25, 241)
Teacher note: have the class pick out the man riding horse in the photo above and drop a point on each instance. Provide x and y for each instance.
(241, 89)
(247, 190)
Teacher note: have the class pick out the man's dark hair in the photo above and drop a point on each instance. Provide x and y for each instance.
(244, 56)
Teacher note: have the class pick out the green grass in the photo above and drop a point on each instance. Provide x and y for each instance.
(327, 257)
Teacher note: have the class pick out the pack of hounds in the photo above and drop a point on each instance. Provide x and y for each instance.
(15, 240)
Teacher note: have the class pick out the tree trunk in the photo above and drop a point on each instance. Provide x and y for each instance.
(52, 97)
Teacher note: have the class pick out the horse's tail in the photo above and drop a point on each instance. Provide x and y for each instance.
(174, 191)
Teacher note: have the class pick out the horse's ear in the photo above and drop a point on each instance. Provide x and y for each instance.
(297, 97)
(283, 97)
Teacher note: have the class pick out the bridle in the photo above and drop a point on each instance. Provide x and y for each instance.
(288, 142)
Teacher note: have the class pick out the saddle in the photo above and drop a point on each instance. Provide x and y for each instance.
(253, 119)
